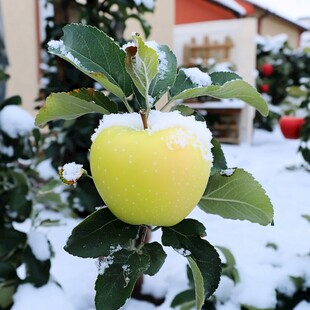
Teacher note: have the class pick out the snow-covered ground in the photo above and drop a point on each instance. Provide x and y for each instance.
(262, 269)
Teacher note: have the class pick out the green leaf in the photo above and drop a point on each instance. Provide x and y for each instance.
(184, 298)
(184, 88)
(11, 241)
(185, 238)
(199, 283)
(95, 54)
(7, 290)
(98, 97)
(238, 196)
(187, 111)
(220, 78)
(167, 72)
(68, 106)
(141, 65)
(115, 285)
(99, 233)
(229, 267)
(15, 100)
(157, 257)
(219, 160)
(37, 272)
(307, 217)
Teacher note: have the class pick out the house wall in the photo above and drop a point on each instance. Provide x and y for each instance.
(21, 36)
(20, 30)
(243, 54)
(270, 25)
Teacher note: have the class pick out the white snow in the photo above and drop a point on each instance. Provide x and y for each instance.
(293, 10)
(15, 121)
(162, 60)
(158, 121)
(72, 171)
(149, 4)
(272, 43)
(197, 76)
(261, 268)
(234, 5)
(39, 245)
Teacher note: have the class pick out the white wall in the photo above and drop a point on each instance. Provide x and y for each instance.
(20, 30)
(243, 54)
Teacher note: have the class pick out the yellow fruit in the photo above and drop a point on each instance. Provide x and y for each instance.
(154, 176)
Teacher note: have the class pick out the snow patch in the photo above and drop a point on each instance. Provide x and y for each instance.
(72, 171)
(159, 121)
(198, 77)
(105, 262)
(183, 252)
(39, 245)
(15, 121)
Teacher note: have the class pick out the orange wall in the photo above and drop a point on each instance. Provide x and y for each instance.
(192, 11)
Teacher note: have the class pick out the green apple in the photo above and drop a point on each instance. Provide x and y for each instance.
(154, 176)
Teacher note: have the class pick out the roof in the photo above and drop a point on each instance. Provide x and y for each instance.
(293, 11)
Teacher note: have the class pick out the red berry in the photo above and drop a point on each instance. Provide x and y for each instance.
(264, 88)
(267, 69)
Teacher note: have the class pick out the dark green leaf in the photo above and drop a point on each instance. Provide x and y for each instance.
(219, 160)
(99, 233)
(68, 106)
(16, 100)
(37, 272)
(7, 290)
(116, 282)
(97, 55)
(238, 196)
(7, 271)
(11, 241)
(185, 238)
(157, 257)
(220, 78)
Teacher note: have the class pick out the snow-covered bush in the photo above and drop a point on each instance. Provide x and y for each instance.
(25, 252)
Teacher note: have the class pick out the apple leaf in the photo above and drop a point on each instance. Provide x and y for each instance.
(94, 53)
(142, 65)
(219, 161)
(184, 300)
(184, 88)
(99, 233)
(157, 257)
(220, 78)
(185, 238)
(199, 283)
(115, 283)
(167, 72)
(70, 106)
(237, 196)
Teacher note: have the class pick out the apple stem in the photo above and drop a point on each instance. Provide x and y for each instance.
(143, 114)
(142, 236)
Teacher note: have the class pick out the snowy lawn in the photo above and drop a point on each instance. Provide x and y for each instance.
(262, 268)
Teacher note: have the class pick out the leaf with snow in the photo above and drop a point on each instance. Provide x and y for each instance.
(95, 54)
(238, 196)
(142, 65)
(185, 88)
(167, 71)
(70, 106)
(185, 237)
(115, 285)
(219, 160)
(99, 233)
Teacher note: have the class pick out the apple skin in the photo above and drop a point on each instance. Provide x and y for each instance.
(267, 69)
(290, 126)
(264, 88)
(149, 177)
